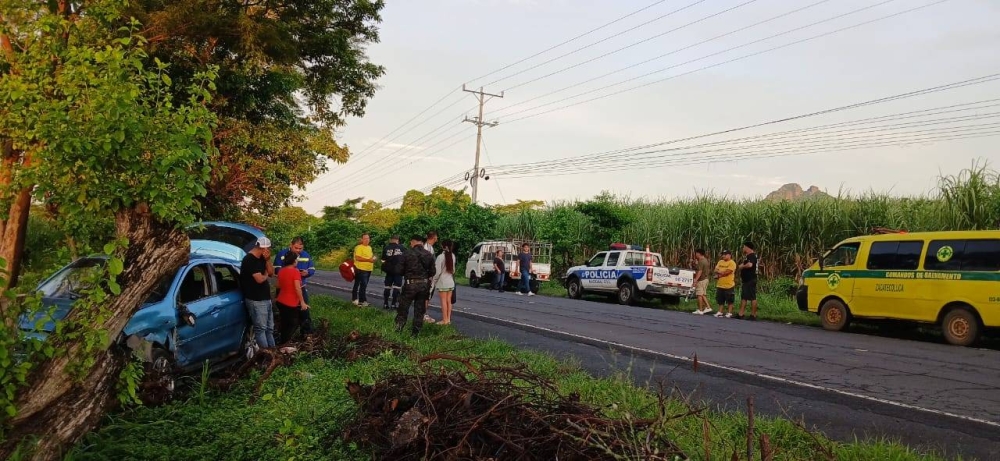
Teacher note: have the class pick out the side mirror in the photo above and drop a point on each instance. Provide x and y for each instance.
(186, 317)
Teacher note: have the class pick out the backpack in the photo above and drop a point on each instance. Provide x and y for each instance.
(347, 270)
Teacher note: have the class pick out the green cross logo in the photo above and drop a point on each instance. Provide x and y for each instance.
(833, 281)
(945, 253)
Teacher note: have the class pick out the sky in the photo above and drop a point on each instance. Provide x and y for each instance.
(691, 68)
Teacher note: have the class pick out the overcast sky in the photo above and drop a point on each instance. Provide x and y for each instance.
(431, 47)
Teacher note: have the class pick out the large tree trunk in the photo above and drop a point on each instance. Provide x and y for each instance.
(57, 410)
(13, 220)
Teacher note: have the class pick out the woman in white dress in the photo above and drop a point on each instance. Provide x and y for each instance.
(444, 279)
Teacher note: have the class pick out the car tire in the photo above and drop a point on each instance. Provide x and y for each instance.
(248, 347)
(473, 280)
(834, 315)
(161, 368)
(574, 289)
(626, 293)
(960, 327)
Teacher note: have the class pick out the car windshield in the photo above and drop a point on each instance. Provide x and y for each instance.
(75, 279)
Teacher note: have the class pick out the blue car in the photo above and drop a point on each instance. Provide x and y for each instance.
(191, 317)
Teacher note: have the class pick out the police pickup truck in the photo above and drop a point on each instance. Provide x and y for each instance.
(629, 272)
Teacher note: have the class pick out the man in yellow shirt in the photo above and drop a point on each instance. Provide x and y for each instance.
(725, 285)
(364, 263)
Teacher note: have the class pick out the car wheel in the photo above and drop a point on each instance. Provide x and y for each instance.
(574, 289)
(834, 315)
(249, 347)
(473, 280)
(161, 369)
(626, 293)
(960, 327)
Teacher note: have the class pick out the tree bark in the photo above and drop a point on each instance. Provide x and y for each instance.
(56, 410)
(14, 225)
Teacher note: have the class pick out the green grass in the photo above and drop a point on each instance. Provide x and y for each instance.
(305, 408)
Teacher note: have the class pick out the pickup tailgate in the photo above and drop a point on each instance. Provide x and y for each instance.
(673, 277)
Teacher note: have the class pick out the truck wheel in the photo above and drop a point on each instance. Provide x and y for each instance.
(626, 293)
(960, 327)
(473, 280)
(834, 315)
(574, 289)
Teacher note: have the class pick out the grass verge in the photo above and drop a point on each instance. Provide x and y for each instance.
(305, 408)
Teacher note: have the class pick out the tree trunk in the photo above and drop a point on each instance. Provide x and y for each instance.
(53, 408)
(14, 222)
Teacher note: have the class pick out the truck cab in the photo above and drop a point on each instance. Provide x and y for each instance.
(630, 273)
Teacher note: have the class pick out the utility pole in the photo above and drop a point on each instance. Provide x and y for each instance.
(478, 121)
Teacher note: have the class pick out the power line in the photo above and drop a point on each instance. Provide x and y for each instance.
(592, 44)
(495, 181)
(640, 42)
(776, 48)
(717, 37)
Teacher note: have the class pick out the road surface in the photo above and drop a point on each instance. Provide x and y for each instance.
(932, 396)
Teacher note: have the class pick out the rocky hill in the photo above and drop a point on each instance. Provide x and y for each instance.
(794, 191)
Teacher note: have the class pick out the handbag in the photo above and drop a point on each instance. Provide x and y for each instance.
(454, 297)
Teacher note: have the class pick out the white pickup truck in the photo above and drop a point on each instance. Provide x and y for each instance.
(479, 267)
(629, 274)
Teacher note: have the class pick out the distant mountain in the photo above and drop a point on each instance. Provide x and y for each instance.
(792, 192)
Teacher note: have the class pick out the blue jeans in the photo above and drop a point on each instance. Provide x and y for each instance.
(359, 292)
(525, 282)
(262, 316)
(498, 280)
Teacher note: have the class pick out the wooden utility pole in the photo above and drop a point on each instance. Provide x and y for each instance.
(478, 121)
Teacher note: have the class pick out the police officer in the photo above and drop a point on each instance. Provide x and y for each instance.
(392, 265)
(418, 268)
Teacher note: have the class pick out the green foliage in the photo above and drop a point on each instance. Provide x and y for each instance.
(287, 223)
(290, 73)
(346, 210)
(129, 380)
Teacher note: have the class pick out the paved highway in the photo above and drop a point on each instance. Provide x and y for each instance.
(928, 395)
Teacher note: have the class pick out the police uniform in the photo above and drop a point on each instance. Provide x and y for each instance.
(418, 269)
(392, 265)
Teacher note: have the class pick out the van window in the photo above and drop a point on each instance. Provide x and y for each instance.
(634, 258)
(842, 256)
(963, 255)
(895, 255)
(613, 258)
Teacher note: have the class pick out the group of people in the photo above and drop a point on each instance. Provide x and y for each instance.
(524, 261)
(411, 276)
(292, 297)
(725, 285)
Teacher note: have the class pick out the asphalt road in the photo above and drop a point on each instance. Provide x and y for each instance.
(930, 396)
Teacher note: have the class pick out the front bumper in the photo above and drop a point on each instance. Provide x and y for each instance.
(802, 298)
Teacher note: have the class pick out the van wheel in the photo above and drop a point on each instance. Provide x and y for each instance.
(960, 327)
(834, 315)
(626, 293)
(574, 289)
(473, 280)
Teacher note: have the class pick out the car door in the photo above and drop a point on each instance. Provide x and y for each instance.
(589, 276)
(234, 313)
(196, 343)
(472, 265)
(839, 271)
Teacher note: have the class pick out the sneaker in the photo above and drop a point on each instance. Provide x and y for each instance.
(355, 302)
(729, 316)
(719, 314)
(531, 294)
(698, 312)
(520, 294)
(429, 319)
(708, 310)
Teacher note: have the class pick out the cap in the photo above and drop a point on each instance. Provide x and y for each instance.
(263, 242)
(417, 238)
(726, 252)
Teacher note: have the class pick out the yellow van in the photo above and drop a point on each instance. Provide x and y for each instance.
(947, 278)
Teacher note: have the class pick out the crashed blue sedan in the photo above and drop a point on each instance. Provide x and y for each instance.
(191, 317)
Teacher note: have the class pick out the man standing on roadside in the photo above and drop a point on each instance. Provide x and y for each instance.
(306, 269)
(500, 270)
(392, 265)
(725, 286)
(418, 269)
(748, 276)
(364, 264)
(255, 270)
(701, 282)
(524, 267)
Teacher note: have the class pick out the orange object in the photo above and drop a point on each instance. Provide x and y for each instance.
(347, 270)
(649, 257)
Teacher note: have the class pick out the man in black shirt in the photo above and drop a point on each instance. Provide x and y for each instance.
(255, 270)
(418, 269)
(392, 265)
(499, 271)
(748, 275)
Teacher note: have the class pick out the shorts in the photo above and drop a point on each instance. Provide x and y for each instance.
(748, 292)
(394, 281)
(446, 290)
(725, 295)
(701, 288)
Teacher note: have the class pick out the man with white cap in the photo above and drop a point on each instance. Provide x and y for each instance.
(255, 273)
